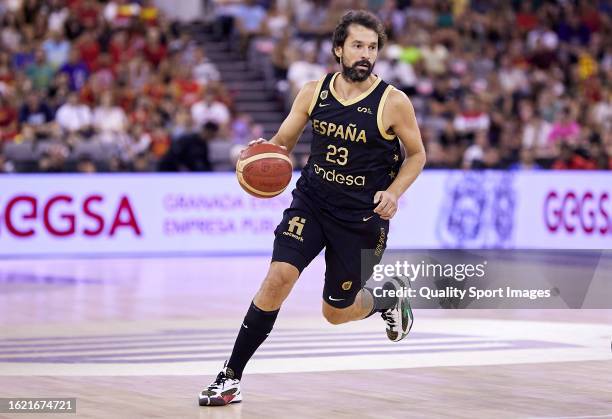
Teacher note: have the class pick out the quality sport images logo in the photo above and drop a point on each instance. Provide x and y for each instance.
(27, 216)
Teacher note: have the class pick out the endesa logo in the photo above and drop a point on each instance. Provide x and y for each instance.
(64, 216)
(588, 212)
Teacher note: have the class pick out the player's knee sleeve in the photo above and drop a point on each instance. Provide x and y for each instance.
(259, 321)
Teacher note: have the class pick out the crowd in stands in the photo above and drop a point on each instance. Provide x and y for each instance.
(91, 85)
(87, 86)
(495, 84)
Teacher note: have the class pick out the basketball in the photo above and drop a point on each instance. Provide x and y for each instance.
(264, 170)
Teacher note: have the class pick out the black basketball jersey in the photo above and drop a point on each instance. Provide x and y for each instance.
(351, 156)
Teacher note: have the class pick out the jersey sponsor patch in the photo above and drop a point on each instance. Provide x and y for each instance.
(333, 176)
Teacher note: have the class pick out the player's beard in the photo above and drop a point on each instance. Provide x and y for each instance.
(355, 73)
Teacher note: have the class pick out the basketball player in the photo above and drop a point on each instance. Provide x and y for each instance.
(346, 195)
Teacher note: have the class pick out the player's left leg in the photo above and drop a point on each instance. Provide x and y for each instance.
(359, 309)
(396, 311)
(352, 251)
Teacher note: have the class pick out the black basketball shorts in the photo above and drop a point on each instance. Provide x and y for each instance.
(306, 229)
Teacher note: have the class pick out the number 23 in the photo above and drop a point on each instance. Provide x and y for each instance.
(342, 153)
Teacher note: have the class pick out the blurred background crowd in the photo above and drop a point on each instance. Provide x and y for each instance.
(91, 85)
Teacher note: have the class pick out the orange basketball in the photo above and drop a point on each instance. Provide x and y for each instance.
(264, 170)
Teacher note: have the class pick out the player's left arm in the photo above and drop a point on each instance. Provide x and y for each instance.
(401, 119)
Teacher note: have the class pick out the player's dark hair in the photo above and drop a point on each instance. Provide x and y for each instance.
(357, 17)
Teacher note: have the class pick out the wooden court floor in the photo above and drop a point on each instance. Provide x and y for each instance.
(551, 390)
(140, 338)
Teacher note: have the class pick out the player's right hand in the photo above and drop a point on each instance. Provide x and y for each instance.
(257, 141)
(263, 140)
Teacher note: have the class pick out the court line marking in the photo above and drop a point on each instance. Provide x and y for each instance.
(571, 417)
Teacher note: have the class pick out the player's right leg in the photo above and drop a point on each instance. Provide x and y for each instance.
(256, 327)
(299, 238)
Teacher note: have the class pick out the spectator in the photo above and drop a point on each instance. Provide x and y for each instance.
(304, 70)
(53, 160)
(244, 129)
(23, 57)
(40, 72)
(526, 20)
(492, 160)
(571, 30)
(57, 49)
(142, 112)
(475, 154)
(10, 36)
(570, 160)
(186, 90)
(542, 37)
(74, 116)
(8, 120)
(181, 123)
(210, 110)
(89, 50)
(155, 88)
(472, 118)
(279, 57)
(600, 156)
(6, 166)
(86, 165)
(312, 18)
(7, 75)
(76, 70)
(88, 13)
(204, 71)
(37, 114)
(109, 119)
(276, 22)
(249, 22)
(105, 75)
(536, 132)
(435, 57)
(73, 27)
(57, 16)
(436, 157)
(139, 72)
(601, 112)
(142, 162)
(565, 128)
(527, 161)
(395, 71)
(512, 78)
(120, 48)
(190, 152)
(444, 99)
(160, 142)
(154, 50)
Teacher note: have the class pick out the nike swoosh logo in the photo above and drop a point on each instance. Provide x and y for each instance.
(335, 299)
(245, 326)
(322, 105)
(367, 218)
